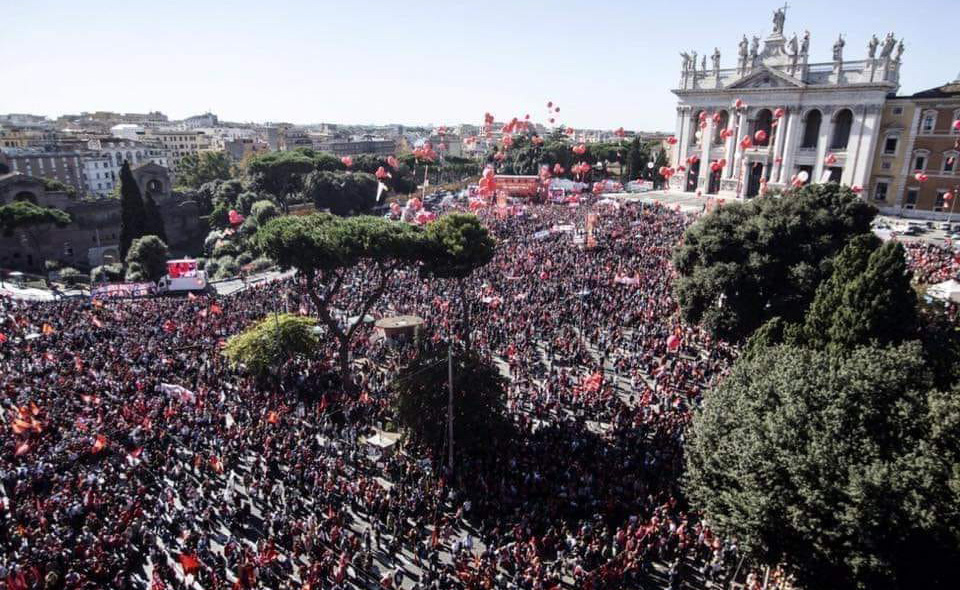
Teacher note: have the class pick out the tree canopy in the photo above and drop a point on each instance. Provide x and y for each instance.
(325, 248)
(272, 341)
(194, 170)
(748, 262)
(148, 255)
(843, 466)
(342, 193)
(24, 214)
(280, 174)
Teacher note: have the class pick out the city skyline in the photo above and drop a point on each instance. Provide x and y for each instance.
(417, 65)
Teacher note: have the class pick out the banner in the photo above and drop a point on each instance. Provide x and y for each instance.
(119, 290)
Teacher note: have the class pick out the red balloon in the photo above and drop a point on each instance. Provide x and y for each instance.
(550, 105)
(347, 161)
(551, 120)
(579, 149)
(778, 114)
(948, 196)
(671, 140)
(956, 125)
(746, 142)
(857, 189)
(556, 110)
(760, 136)
(381, 173)
(920, 176)
(830, 159)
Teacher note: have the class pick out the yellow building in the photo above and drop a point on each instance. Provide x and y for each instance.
(891, 153)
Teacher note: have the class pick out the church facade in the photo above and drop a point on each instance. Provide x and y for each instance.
(776, 116)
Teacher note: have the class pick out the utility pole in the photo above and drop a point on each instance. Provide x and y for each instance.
(450, 408)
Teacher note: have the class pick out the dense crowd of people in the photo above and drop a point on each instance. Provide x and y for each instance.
(931, 263)
(135, 456)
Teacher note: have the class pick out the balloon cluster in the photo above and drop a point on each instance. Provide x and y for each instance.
(425, 153)
(235, 218)
(830, 160)
(347, 161)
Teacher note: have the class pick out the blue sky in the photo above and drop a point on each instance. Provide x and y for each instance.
(606, 63)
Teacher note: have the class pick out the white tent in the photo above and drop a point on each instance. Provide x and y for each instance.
(947, 290)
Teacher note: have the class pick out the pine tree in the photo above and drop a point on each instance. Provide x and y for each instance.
(132, 211)
(153, 221)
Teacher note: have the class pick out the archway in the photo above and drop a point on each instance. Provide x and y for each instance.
(25, 196)
(763, 122)
(693, 173)
(713, 182)
(753, 180)
(719, 125)
(841, 130)
(811, 129)
(154, 186)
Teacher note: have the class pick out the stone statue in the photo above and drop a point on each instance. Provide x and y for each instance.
(779, 17)
(805, 45)
(792, 45)
(686, 60)
(716, 59)
(703, 64)
(743, 47)
(838, 49)
(754, 47)
(872, 47)
(693, 62)
(899, 50)
(888, 44)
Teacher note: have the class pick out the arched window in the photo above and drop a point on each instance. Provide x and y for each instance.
(953, 124)
(695, 128)
(119, 157)
(841, 129)
(811, 129)
(719, 125)
(920, 160)
(763, 122)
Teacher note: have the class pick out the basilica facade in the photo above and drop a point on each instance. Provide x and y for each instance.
(776, 116)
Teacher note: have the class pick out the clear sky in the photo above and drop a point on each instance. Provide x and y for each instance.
(606, 63)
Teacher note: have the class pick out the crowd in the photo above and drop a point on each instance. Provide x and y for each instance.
(932, 264)
(134, 456)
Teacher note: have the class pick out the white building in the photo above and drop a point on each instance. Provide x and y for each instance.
(102, 165)
(98, 173)
(821, 119)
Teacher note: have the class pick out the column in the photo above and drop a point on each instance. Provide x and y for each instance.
(826, 129)
(680, 135)
(733, 164)
(706, 140)
(790, 143)
(780, 132)
(870, 132)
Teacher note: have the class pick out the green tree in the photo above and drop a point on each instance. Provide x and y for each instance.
(149, 255)
(195, 170)
(843, 466)
(325, 251)
(421, 394)
(32, 220)
(342, 193)
(132, 211)
(280, 174)
(868, 298)
(748, 262)
(455, 245)
(271, 342)
(263, 211)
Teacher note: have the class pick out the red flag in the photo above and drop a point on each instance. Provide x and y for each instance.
(99, 443)
(97, 303)
(169, 326)
(22, 449)
(48, 330)
(135, 453)
(215, 309)
(2, 338)
(191, 296)
(189, 563)
(96, 322)
(273, 418)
